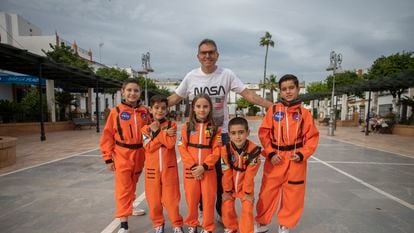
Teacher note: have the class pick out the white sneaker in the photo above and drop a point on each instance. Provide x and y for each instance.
(159, 229)
(200, 218)
(205, 231)
(123, 230)
(229, 231)
(178, 230)
(137, 211)
(283, 229)
(260, 228)
(192, 230)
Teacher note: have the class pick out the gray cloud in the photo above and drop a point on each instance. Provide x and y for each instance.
(305, 32)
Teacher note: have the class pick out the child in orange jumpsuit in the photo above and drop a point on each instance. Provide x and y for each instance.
(122, 149)
(200, 149)
(162, 188)
(240, 163)
(289, 137)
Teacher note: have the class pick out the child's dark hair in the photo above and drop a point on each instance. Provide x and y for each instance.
(239, 121)
(192, 120)
(130, 80)
(288, 77)
(158, 99)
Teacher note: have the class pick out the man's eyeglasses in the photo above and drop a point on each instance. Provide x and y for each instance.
(205, 53)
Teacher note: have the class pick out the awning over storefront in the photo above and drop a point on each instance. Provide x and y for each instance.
(23, 62)
(27, 63)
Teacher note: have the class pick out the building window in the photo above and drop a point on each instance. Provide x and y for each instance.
(384, 109)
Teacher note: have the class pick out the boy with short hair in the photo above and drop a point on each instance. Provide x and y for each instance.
(289, 137)
(121, 146)
(240, 163)
(162, 188)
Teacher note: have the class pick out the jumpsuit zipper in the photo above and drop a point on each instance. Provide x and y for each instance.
(236, 187)
(287, 126)
(199, 142)
(135, 120)
(160, 157)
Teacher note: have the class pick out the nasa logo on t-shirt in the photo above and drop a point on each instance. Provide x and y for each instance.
(144, 116)
(125, 116)
(278, 116)
(296, 116)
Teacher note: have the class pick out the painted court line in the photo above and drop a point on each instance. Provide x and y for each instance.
(115, 223)
(406, 204)
(52, 161)
(365, 146)
(369, 163)
(88, 155)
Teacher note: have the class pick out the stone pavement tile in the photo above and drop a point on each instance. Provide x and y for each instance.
(31, 151)
(386, 142)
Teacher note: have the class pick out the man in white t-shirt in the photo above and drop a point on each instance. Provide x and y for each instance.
(217, 82)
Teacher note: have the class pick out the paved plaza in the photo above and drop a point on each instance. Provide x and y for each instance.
(355, 184)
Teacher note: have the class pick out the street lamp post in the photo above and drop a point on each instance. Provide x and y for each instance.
(100, 47)
(146, 68)
(335, 64)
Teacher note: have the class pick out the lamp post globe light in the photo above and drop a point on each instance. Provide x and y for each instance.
(146, 68)
(335, 65)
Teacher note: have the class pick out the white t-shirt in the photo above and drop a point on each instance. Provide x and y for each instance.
(217, 85)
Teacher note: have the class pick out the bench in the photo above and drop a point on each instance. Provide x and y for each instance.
(79, 122)
(388, 128)
(324, 121)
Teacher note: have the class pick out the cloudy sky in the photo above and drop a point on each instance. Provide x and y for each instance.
(305, 32)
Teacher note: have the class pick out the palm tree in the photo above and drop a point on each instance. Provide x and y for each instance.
(266, 41)
(271, 84)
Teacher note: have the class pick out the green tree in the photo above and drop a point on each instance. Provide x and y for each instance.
(243, 103)
(266, 41)
(114, 73)
(64, 100)
(317, 87)
(344, 82)
(392, 66)
(31, 105)
(270, 84)
(66, 55)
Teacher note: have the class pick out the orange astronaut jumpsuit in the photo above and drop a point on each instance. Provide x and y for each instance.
(200, 147)
(239, 170)
(121, 143)
(286, 129)
(162, 188)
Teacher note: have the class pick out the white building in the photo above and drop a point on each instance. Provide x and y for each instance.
(20, 33)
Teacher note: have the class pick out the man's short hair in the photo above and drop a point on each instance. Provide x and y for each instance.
(288, 77)
(239, 121)
(158, 99)
(207, 41)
